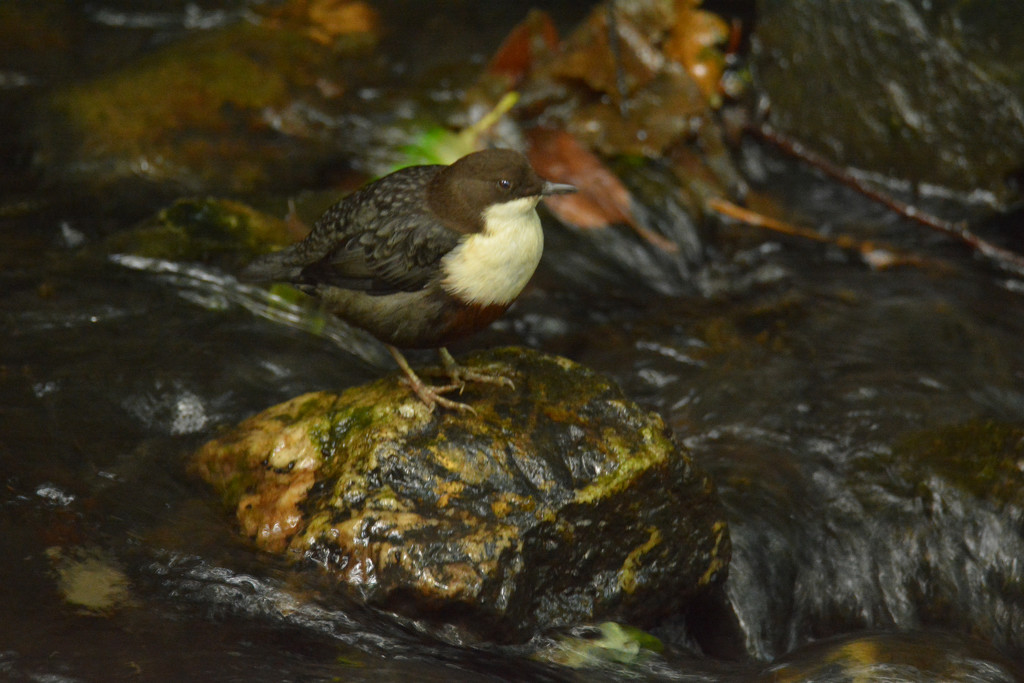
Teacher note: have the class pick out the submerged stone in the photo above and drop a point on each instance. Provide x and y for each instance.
(980, 458)
(925, 533)
(559, 502)
(896, 658)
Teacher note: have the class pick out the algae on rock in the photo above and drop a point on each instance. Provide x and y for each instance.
(559, 502)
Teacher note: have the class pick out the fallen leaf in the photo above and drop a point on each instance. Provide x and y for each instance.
(625, 96)
(325, 21)
(332, 18)
(615, 65)
(694, 42)
(601, 200)
(534, 36)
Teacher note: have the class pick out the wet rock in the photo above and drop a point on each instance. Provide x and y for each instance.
(239, 108)
(924, 534)
(561, 502)
(925, 92)
(896, 658)
(203, 229)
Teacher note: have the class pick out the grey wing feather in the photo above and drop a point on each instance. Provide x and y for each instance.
(401, 255)
(381, 239)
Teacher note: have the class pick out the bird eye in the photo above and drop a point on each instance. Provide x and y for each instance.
(505, 184)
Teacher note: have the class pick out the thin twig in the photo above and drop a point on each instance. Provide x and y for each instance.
(615, 48)
(876, 256)
(1003, 258)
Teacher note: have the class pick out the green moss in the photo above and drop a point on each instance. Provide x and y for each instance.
(199, 229)
(197, 84)
(984, 458)
(313, 404)
(612, 642)
(331, 432)
(632, 458)
(234, 488)
(634, 561)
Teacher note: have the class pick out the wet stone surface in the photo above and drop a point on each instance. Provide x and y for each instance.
(559, 502)
(861, 423)
(893, 657)
(959, 128)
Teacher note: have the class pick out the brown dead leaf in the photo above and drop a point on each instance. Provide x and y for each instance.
(332, 18)
(534, 36)
(602, 199)
(325, 21)
(694, 42)
(588, 57)
(628, 97)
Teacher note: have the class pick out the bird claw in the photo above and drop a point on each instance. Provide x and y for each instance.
(460, 374)
(432, 395)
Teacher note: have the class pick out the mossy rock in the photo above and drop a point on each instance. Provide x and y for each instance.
(927, 532)
(202, 229)
(216, 111)
(982, 458)
(559, 502)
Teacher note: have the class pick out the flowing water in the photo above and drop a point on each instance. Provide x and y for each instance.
(790, 369)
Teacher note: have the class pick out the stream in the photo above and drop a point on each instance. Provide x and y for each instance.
(807, 383)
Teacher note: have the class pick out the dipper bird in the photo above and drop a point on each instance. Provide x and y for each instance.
(424, 256)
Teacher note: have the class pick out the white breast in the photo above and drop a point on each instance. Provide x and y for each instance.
(493, 266)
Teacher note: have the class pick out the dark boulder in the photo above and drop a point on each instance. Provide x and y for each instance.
(928, 93)
(559, 502)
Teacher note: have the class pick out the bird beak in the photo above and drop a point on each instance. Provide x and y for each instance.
(557, 188)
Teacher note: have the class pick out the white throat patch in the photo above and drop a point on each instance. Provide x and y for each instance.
(493, 266)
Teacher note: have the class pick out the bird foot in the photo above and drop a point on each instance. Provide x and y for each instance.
(431, 395)
(460, 374)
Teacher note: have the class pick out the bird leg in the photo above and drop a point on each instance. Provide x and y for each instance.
(459, 374)
(430, 395)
